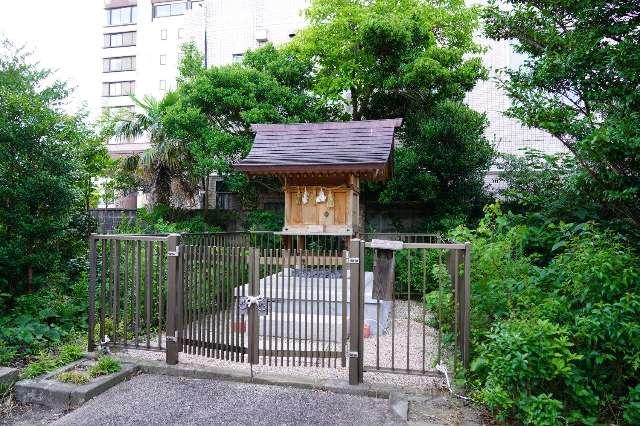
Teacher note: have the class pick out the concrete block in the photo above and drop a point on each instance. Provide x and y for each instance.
(8, 376)
(49, 392)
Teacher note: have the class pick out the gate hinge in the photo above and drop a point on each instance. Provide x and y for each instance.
(353, 260)
(352, 354)
(174, 253)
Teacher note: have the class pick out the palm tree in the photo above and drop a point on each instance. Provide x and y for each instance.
(162, 166)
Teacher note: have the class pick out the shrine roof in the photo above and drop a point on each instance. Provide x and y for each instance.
(364, 148)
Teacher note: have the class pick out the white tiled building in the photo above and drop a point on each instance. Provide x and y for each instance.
(142, 40)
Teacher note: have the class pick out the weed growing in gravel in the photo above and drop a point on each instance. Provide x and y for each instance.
(75, 377)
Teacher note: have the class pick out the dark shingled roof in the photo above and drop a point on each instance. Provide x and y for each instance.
(362, 147)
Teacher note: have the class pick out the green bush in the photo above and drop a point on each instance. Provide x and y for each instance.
(43, 319)
(104, 366)
(555, 321)
(164, 220)
(47, 361)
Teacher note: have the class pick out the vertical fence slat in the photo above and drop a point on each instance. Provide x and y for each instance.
(125, 312)
(345, 255)
(103, 289)
(137, 291)
(116, 292)
(148, 290)
(173, 301)
(408, 304)
(467, 305)
(161, 291)
(92, 292)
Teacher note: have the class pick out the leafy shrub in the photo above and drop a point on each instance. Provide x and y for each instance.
(163, 220)
(7, 353)
(264, 220)
(555, 324)
(75, 377)
(46, 361)
(104, 366)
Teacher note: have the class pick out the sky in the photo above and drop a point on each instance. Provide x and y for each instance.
(65, 36)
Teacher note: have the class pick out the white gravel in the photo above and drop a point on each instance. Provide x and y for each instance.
(398, 340)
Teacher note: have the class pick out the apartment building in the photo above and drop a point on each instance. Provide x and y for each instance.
(142, 42)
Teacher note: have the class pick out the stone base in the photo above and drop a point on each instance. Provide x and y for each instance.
(8, 376)
(46, 390)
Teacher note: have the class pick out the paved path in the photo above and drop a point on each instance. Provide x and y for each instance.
(166, 400)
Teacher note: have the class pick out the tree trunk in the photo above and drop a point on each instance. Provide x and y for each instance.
(205, 207)
(163, 187)
(355, 105)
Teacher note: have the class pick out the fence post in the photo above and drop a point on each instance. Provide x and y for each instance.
(172, 299)
(93, 259)
(466, 308)
(254, 288)
(356, 316)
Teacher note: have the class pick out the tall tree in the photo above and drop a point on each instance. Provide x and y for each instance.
(413, 59)
(165, 164)
(580, 81)
(217, 107)
(40, 173)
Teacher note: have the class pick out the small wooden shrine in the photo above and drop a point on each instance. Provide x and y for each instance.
(321, 166)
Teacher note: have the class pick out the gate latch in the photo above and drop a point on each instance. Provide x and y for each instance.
(353, 260)
(174, 253)
(260, 302)
(352, 354)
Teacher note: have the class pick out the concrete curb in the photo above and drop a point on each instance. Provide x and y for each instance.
(8, 376)
(47, 391)
(218, 373)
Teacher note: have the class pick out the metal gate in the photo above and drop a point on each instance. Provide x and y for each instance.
(260, 302)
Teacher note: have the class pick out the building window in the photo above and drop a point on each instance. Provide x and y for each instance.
(163, 84)
(237, 58)
(121, 15)
(125, 63)
(120, 39)
(171, 9)
(180, 33)
(118, 88)
(163, 59)
(163, 34)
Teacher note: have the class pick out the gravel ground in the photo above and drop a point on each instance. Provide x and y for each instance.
(151, 400)
(387, 341)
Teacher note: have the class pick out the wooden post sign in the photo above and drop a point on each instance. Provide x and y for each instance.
(384, 274)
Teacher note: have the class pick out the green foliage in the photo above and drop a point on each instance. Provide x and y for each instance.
(161, 219)
(45, 318)
(579, 82)
(47, 361)
(415, 60)
(264, 220)
(7, 353)
(74, 377)
(163, 169)
(42, 177)
(555, 320)
(105, 365)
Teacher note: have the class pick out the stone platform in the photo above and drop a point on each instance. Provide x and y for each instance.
(303, 307)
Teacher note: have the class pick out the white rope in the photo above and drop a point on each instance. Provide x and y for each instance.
(443, 369)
